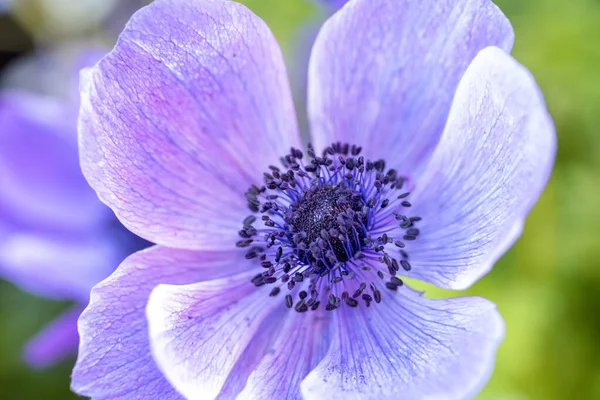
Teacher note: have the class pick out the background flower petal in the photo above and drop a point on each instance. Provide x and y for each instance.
(40, 178)
(182, 116)
(408, 348)
(114, 354)
(56, 341)
(199, 332)
(331, 5)
(62, 266)
(490, 167)
(54, 72)
(383, 73)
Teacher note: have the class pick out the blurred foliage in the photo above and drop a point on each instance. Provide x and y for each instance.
(547, 286)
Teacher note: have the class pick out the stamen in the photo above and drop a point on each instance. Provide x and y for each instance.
(329, 228)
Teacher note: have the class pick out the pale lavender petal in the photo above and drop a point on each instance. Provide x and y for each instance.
(199, 332)
(257, 347)
(409, 348)
(301, 342)
(491, 165)
(182, 116)
(383, 73)
(40, 178)
(114, 358)
(57, 341)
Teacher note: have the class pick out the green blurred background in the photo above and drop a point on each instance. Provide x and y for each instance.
(547, 286)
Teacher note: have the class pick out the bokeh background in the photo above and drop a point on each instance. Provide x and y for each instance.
(547, 286)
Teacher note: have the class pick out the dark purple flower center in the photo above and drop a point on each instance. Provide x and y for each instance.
(331, 230)
(319, 217)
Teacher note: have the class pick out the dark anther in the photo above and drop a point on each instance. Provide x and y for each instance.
(351, 302)
(377, 295)
(358, 291)
(396, 281)
(406, 265)
(301, 306)
(244, 243)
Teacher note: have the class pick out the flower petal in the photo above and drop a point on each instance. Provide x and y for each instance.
(114, 355)
(490, 167)
(301, 342)
(41, 181)
(383, 73)
(182, 116)
(58, 340)
(199, 332)
(409, 347)
(57, 266)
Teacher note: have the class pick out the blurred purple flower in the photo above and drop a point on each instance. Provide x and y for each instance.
(332, 5)
(5, 5)
(56, 238)
(193, 106)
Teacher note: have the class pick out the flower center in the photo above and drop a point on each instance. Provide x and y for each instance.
(328, 219)
(332, 230)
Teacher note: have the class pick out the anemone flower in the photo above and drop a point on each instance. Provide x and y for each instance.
(57, 239)
(278, 271)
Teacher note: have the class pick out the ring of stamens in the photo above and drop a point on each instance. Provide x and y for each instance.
(331, 231)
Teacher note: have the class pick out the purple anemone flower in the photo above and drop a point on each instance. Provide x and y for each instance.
(57, 239)
(279, 269)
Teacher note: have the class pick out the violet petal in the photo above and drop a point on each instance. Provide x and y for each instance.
(490, 167)
(114, 354)
(409, 348)
(383, 73)
(182, 116)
